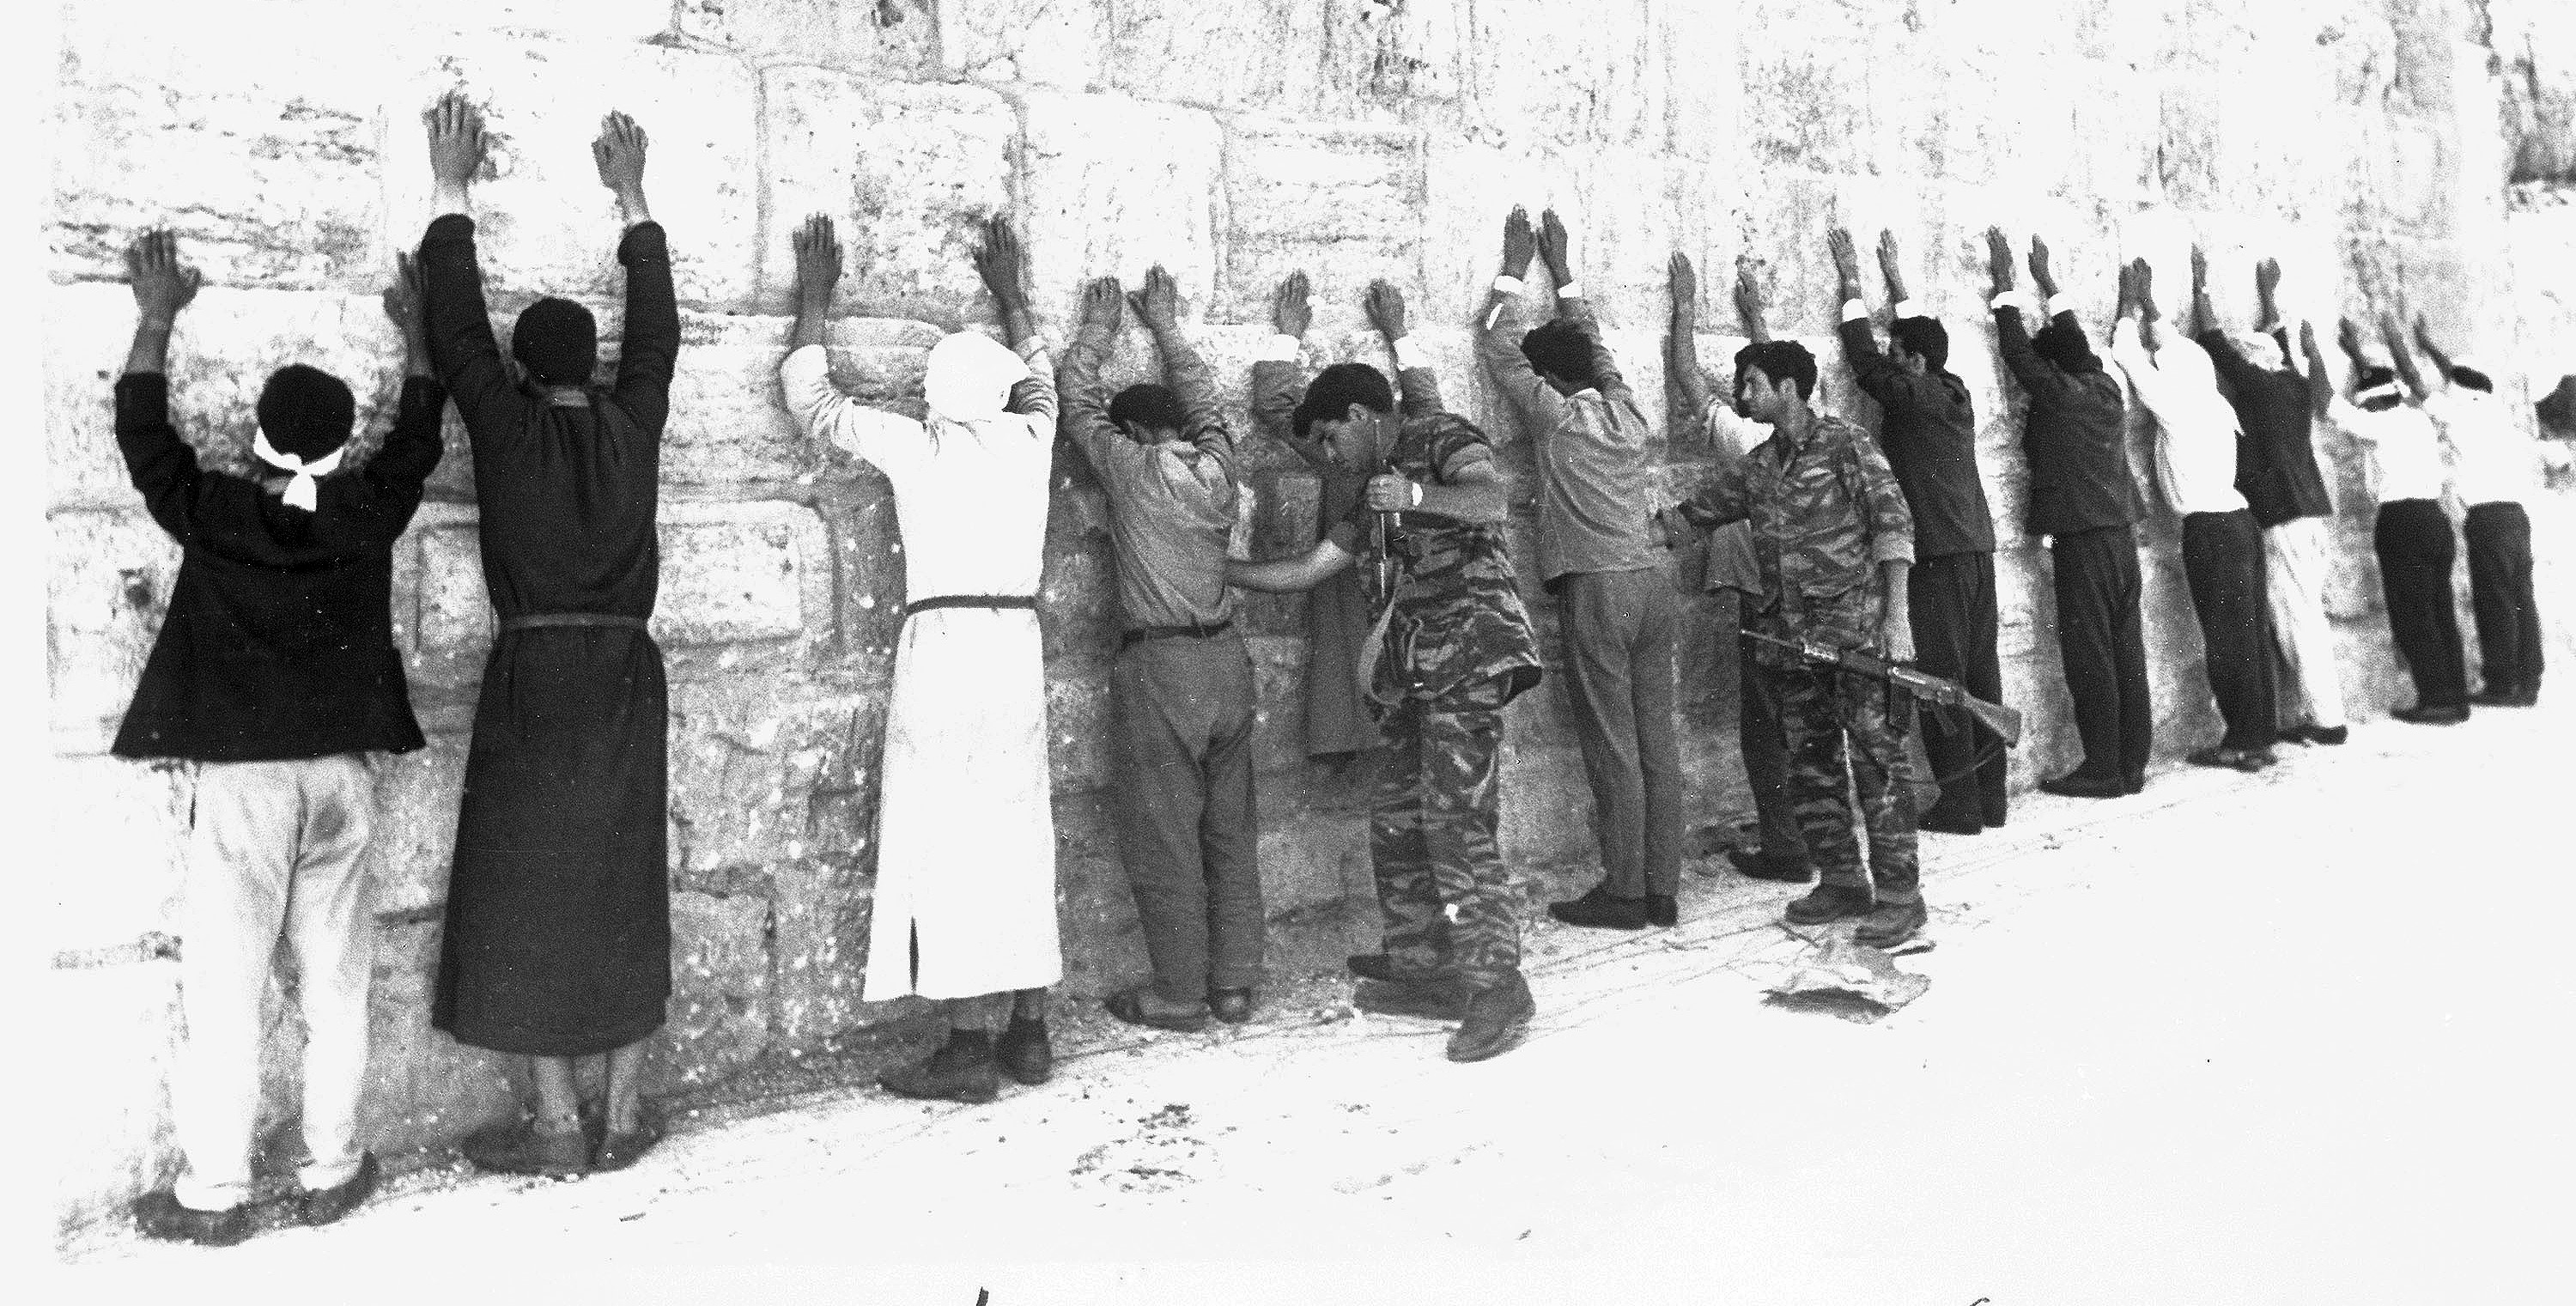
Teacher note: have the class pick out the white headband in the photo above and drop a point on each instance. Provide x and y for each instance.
(2383, 390)
(301, 492)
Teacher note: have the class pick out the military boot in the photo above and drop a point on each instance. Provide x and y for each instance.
(1497, 1019)
(1440, 997)
(1827, 902)
(1380, 966)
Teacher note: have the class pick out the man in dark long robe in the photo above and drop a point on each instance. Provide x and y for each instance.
(558, 938)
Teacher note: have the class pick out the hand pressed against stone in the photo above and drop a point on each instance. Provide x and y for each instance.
(818, 270)
(1158, 304)
(1519, 243)
(1684, 280)
(1890, 267)
(619, 153)
(1999, 259)
(1749, 299)
(161, 286)
(1104, 304)
(1003, 266)
(1385, 306)
(1846, 261)
(1556, 247)
(2039, 273)
(1290, 314)
(456, 145)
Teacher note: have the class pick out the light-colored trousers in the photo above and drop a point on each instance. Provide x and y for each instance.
(274, 849)
(2294, 559)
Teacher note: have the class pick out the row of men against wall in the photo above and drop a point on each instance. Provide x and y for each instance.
(275, 669)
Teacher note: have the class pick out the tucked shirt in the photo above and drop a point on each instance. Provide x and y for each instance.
(1825, 513)
(2075, 437)
(2276, 460)
(1458, 615)
(2195, 428)
(1595, 487)
(2491, 462)
(1928, 430)
(277, 640)
(2405, 449)
(1171, 504)
(1729, 563)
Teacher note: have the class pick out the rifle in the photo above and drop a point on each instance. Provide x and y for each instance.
(1918, 685)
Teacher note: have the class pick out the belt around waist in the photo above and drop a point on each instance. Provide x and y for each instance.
(1140, 634)
(1026, 601)
(539, 620)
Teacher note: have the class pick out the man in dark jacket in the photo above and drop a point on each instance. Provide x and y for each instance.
(2083, 498)
(275, 673)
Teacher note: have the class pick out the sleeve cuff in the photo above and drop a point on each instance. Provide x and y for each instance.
(1281, 348)
(1855, 311)
(1909, 308)
(1408, 355)
(1033, 348)
(1507, 285)
(1891, 548)
(1570, 290)
(2013, 299)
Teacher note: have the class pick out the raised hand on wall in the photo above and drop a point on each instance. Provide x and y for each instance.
(161, 288)
(818, 271)
(619, 152)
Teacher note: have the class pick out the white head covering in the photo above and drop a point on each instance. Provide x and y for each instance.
(301, 492)
(970, 378)
(2258, 349)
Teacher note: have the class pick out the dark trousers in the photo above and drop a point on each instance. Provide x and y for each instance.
(2499, 536)
(1620, 628)
(2222, 560)
(1952, 600)
(2102, 645)
(1764, 741)
(1185, 711)
(2416, 550)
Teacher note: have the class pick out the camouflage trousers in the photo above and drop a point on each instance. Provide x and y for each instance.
(1821, 708)
(1432, 834)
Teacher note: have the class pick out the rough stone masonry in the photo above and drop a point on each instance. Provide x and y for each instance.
(2386, 150)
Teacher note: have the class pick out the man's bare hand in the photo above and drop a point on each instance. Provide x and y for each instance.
(1999, 259)
(1838, 242)
(2348, 336)
(2424, 336)
(1685, 283)
(161, 286)
(1104, 305)
(2199, 271)
(619, 152)
(1002, 264)
(1891, 265)
(1290, 314)
(2308, 339)
(2039, 273)
(1158, 305)
(1385, 305)
(456, 141)
(818, 260)
(1749, 299)
(1556, 247)
(1388, 492)
(403, 300)
(2388, 331)
(1896, 637)
(2144, 273)
(2267, 278)
(1519, 243)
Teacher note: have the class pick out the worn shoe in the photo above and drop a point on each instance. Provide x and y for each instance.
(1497, 1020)
(1601, 909)
(957, 1072)
(1233, 1006)
(2507, 696)
(2420, 715)
(1763, 866)
(1663, 909)
(1023, 1052)
(1889, 924)
(1950, 825)
(2072, 785)
(523, 1149)
(324, 1205)
(1130, 1007)
(2133, 785)
(2329, 736)
(2232, 759)
(1379, 966)
(1994, 817)
(1443, 998)
(159, 1215)
(1827, 902)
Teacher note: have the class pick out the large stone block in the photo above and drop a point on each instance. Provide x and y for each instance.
(130, 822)
(1112, 186)
(265, 156)
(105, 594)
(749, 758)
(728, 422)
(908, 172)
(1040, 42)
(892, 38)
(720, 993)
(1572, 76)
(819, 920)
(414, 839)
(424, 1089)
(105, 1137)
(225, 348)
(1265, 55)
(544, 224)
(1343, 204)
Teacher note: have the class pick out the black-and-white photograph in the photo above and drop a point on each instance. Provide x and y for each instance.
(1015, 652)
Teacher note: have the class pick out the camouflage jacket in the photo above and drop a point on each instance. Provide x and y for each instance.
(1824, 516)
(1458, 613)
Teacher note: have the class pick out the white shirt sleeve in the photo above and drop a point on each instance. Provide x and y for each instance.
(822, 412)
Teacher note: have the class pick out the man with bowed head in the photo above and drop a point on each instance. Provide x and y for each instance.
(965, 839)
(558, 932)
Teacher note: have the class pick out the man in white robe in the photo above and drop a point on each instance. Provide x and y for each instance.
(965, 893)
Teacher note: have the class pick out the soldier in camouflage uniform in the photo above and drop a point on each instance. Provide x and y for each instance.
(1455, 647)
(1827, 513)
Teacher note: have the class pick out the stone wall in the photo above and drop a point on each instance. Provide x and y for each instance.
(2364, 142)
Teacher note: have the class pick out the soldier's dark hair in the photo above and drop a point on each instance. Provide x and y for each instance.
(2371, 376)
(1559, 348)
(1780, 360)
(1925, 337)
(2063, 343)
(1336, 388)
(1150, 406)
(2473, 379)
